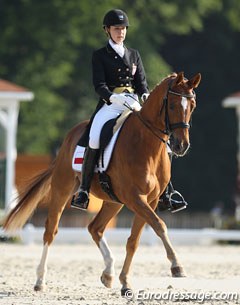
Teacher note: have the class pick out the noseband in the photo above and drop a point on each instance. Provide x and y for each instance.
(169, 127)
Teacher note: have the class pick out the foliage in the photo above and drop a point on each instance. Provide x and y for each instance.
(47, 46)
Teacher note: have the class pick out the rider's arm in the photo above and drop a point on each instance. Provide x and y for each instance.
(98, 76)
(139, 80)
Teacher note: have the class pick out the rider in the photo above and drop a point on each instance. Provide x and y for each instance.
(118, 78)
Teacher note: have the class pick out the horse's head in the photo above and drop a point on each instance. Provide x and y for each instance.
(169, 108)
(180, 102)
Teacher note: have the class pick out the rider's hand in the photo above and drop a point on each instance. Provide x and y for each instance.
(117, 99)
(126, 99)
(144, 97)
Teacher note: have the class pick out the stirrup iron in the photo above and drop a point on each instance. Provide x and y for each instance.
(176, 205)
(77, 201)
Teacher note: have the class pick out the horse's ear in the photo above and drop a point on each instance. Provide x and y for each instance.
(194, 82)
(180, 78)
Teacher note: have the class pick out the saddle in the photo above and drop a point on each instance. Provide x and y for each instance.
(108, 138)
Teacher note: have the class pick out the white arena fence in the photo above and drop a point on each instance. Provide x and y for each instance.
(30, 234)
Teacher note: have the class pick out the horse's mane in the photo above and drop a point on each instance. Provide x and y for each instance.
(172, 75)
(162, 82)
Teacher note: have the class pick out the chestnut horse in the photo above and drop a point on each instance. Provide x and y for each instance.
(140, 170)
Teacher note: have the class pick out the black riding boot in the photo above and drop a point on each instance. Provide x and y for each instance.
(81, 200)
(171, 200)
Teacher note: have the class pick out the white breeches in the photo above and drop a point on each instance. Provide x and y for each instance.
(106, 113)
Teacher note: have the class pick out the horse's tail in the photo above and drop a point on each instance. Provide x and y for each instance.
(37, 191)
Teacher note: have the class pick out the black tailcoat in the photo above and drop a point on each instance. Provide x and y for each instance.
(111, 70)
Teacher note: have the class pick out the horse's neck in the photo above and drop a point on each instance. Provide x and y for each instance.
(150, 140)
(152, 107)
(141, 138)
(149, 151)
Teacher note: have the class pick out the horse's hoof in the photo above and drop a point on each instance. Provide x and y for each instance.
(178, 272)
(127, 293)
(39, 287)
(107, 280)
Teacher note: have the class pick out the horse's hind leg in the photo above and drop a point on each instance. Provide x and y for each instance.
(60, 197)
(131, 247)
(51, 229)
(42, 270)
(96, 229)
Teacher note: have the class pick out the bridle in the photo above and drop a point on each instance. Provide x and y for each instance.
(169, 127)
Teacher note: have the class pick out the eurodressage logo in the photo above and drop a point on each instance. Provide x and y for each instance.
(199, 297)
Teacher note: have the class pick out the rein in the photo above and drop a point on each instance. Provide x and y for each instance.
(169, 127)
(150, 127)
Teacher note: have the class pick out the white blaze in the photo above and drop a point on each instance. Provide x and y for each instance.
(184, 103)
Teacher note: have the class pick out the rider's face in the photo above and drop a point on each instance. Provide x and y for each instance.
(118, 33)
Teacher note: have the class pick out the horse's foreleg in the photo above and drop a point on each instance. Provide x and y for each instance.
(177, 269)
(96, 229)
(131, 248)
(159, 226)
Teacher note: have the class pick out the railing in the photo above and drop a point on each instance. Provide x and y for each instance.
(2, 182)
(31, 234)
(77, 218)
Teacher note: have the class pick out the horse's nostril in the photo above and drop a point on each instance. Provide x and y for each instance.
(180, 147)
(183, 145)
(179, 144)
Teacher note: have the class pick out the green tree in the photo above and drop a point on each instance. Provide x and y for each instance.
(47, 46)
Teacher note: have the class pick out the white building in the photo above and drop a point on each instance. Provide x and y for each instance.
(233, 101)
(10, 97)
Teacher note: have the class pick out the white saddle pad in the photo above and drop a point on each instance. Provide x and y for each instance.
(77, 160)
(103, 162)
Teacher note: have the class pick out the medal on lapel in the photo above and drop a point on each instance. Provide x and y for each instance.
(134, 69)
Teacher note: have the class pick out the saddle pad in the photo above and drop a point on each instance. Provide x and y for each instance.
(101, 167)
